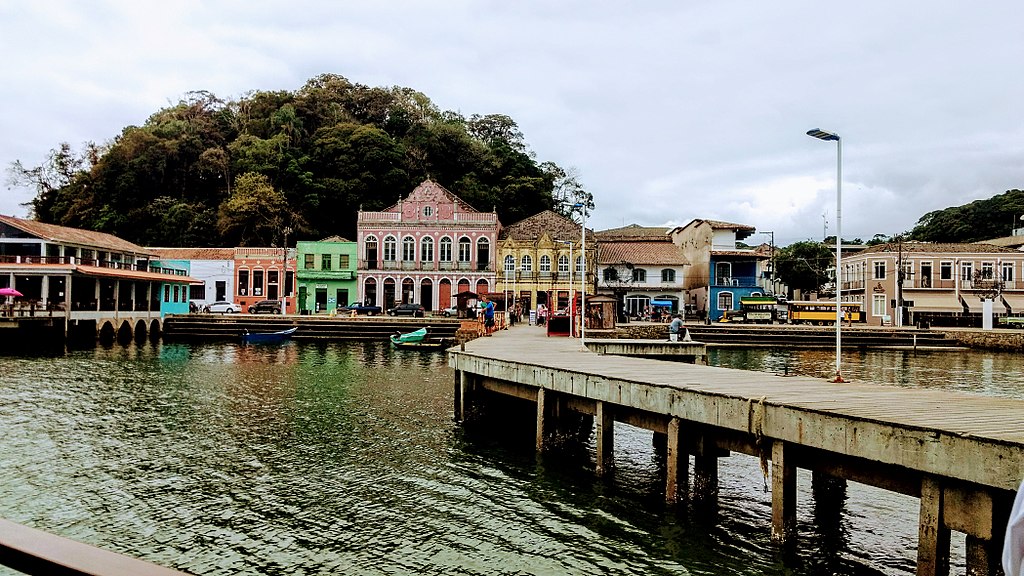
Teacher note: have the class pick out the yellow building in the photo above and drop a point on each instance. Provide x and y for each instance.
(540, 261)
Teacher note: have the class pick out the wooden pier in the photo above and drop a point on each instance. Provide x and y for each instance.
(962, 455)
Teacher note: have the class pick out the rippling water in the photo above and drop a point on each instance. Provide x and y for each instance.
(343, 458)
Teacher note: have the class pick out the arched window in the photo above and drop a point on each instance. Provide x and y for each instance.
(545, 264)
(445, 249)
(427, 248)
(668, 275)
(370, 252)
(579, 264)
(639, 275)
(465, 249)
(408, 249)
(510, 264)
(390, 249)
(611, 274)
(483, 253)
(526, 263)
(563, 264)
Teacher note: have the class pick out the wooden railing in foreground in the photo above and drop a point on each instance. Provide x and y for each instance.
(33, 551)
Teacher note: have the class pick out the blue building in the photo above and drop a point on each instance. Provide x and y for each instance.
(722, 270)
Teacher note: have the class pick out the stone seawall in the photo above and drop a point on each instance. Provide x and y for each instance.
(1007, 340)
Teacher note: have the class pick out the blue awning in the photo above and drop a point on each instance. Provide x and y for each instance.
(661, 303)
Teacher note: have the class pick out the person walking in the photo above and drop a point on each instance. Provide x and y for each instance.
(488, 316)
(674, 328)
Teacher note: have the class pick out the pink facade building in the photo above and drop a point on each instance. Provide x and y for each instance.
(426, 249)
(265, 274)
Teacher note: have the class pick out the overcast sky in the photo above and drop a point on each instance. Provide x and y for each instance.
(667, 110)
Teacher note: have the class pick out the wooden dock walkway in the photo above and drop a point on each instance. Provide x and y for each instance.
(962, 455)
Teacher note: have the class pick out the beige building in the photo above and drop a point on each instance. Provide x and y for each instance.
(540, 261)
(941, 284)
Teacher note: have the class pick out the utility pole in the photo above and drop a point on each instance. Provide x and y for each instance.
(899, 279)
(284, 272)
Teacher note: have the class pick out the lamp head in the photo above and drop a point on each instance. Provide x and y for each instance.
(822, 135)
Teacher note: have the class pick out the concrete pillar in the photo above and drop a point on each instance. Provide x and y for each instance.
(705, 470)
(983, 556)
(783, 495)
(677, 463)
(932, 534)
(44, 287)
(605, 426)
(659, 441)
(541, 419)
(458, 408)
(117, 297)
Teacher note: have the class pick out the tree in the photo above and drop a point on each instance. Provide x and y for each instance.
(980, 220)
(255, 213)
(803, 265)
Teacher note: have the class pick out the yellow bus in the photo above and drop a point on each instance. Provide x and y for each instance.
(758, 309)
(822, 312)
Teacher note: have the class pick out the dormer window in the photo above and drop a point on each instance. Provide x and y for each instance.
(428, 211)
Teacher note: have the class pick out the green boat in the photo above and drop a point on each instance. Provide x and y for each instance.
(409, 337)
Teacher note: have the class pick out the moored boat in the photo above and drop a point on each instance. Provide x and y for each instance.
(409, 337)
(267, 337)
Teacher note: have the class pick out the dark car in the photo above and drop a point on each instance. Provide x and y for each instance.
(407, 310)
(266, 307)
(368, 309)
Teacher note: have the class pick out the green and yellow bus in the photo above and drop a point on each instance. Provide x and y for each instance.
(822, 312)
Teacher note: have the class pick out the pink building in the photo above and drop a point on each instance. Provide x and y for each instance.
(426, 249)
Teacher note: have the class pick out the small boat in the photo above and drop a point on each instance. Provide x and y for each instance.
(267, 337)
(409, 337)
(423, 345)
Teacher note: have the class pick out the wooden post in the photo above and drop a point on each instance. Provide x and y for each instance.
(677, 463)
(605, 439)
(932, 534)
(783, 495)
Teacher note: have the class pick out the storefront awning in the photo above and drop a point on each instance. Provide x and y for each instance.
(1015, 301)
(934, 302)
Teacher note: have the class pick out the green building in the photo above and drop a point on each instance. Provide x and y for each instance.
(326, 275)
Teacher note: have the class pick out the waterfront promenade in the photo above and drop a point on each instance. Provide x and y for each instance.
(962, 455)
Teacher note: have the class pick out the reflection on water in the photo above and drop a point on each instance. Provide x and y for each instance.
(343, 458)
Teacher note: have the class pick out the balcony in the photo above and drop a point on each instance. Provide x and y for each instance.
(737, 281)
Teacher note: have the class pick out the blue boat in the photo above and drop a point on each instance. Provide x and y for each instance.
(267, 337)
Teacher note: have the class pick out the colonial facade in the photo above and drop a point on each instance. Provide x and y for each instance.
(642, 268)
(326, 275)
(936, 283)
(265, 274)
(425, 249)
(720, 272)
(541, 261)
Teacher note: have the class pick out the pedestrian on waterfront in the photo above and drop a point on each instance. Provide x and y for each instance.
(674, 328)
(542, 314)
(488, 316)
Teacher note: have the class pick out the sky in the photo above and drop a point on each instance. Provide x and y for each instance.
(665, 110)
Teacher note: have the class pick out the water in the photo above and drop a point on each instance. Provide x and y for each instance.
(343, 458)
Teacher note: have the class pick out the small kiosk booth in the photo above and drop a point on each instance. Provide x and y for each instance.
(601, 312)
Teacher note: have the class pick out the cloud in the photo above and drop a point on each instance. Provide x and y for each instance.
(667, 110)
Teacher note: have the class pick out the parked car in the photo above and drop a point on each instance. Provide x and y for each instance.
(368, 309)
(266, 307)
(450, 311)
(407, 310)
(222, 308)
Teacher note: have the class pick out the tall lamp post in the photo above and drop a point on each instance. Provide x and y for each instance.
(572, 301)
(823, 135)
(583, 272)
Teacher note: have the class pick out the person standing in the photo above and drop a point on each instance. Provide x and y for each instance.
(674, 328)
(488, 316)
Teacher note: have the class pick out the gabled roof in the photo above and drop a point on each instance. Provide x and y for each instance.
(430, 191)
(742, 230)
(634, 232)
(73, 236)
(193, 253)
(641, 253)
(335, 238)
(940, 247)
(556, 226)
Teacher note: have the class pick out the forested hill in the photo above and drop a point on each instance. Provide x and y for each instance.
(994, 217)
(213, 172)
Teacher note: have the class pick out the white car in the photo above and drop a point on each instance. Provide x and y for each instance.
(450, 311)
(222, 308)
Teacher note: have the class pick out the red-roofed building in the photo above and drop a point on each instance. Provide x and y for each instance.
(643, 269)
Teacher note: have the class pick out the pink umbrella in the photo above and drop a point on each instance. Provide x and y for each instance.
(10, 292)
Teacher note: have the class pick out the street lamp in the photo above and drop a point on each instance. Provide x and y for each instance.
(572, 300)
(583, 272)
(822, 135)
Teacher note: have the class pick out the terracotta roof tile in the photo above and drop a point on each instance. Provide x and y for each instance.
(73, 236)
(634, 232)
(194, 253)
(941, 247)
(639, 253)
(556, 226)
